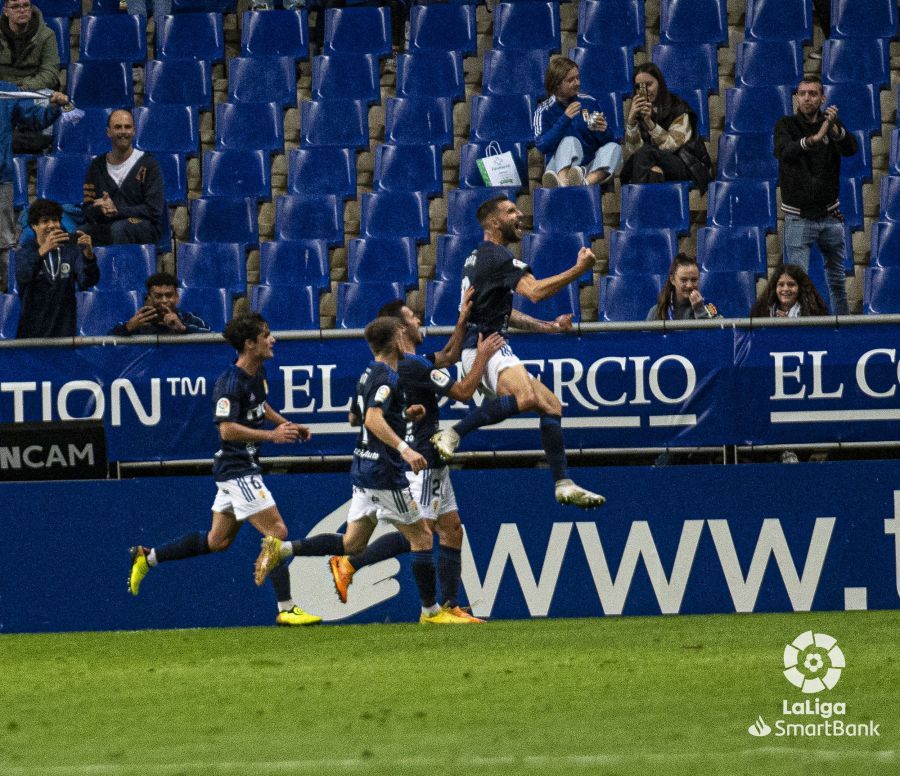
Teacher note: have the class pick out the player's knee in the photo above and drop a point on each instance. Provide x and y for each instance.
(551, 405)
(450, 532)
(527, 400)
(420, 537)
(218, 543)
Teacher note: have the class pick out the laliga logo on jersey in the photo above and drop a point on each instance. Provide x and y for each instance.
(813, 662)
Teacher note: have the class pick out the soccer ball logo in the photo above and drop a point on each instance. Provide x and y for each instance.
(813, 662)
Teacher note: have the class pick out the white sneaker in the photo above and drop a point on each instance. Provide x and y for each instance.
(550, 180)
(574, 176)
(567, 492)
(445, 442)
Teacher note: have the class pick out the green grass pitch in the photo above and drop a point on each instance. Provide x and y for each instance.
(654, 695)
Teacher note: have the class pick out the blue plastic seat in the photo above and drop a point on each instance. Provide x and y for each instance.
(859, 105)
(463, 204)
(245, 126)
(377, 258)
(628, 297)
(104, 7)
(359, 303)
(441, 303)
(549, 253)
(565, 302)
(641, 251)
(769, 63)
(299, 262)
(224, 219)
(275, 33)
(733, 293)
(340, 123)
(170, 128)
(749, 155)
(693, 21)
(502, 117)
(125, 266)
(324, 170)
(470, 153)
(890, 198)
(411, 120)
(699, 102)
(120, 38)
(61, 177)
(722, 248)
(213, 305)
(778, 20)
(756, 108)
(234, 173)
(452, 252)
(444, 26)
(611, 23)
(409, 168)
(60, 26)
(64, 8)
(568, 209)
(742, 203)
(190, 36)
(204, 6)
(856, 59)
(852, 203)
(87, 136)
(885, 244)
(174, 173)
(431, 73)
(358, 30)
(287, 307)
(604, 69)
(346, 76)
(656, 206)
(9, 315)
(860, 164)
(894, 164)
(263, 79)
(302, 217)
(99, 311)
(20, 182)
(395, 214)
(881, 294)
(689, 66)
(532, 25)
(515, 71)
(178, 82)
(100, 84)
(213, 265)
(863, 19)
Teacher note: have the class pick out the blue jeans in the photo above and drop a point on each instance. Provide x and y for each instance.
(828, 234)
(160, 7)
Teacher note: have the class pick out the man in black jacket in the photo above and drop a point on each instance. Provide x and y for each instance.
(160, 313)
(809, 146)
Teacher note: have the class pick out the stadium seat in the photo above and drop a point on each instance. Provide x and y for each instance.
(549, 253)
(568, 209)
(515, 71)
(376, 258)
(860, 164)
(565, 302)
(444, 26)
(324, 170)
(451, 253)
(213, 265)
(427, 120)
(341, 123)
(859, 105)
(818, 277)
(346, 76)
(863, 19)
(656, 206)
(120, 38)
(394, 214)
(20, 182)
(852, 203)
(224, 219)
(100, 84)
(190, 36)
(174, 173)
(60, 26)
(178, 82)
(99, 311)
(65, 8)
(749, 155)
(733, 293)
(441, 303)
(299, 262)
(408, 168)
(778, 20)
(431, 73)
(689, 66)
(604, 70)
(611, 23)
(358, 30)
(9, 315)
(727, 249)
(641, 251)
(756, 108)
(359, 303)
(742, 203)
(463, 204)
(628, 297)
(531, 25)
(287, 307)
(501, 117)
(61, 177)
(124, 266)
(894, 164)
(170, 128)
(769, 63)
(213, 305)
(204, 6)
(693, 21)
(263, 79)
(246, 126)
(275, 33)
(87, 136)
(890, 198)
(885, 244)
(881, 294)
(303, 217)
(470, 153)
(856, 59)
(237, 174)
(104, 7)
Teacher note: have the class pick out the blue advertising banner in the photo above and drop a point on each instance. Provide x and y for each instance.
(670, 540)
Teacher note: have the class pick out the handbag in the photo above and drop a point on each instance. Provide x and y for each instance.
(498, 168)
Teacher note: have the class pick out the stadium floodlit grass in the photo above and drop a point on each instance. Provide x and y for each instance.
(668, 695)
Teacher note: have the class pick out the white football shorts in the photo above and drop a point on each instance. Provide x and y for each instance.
(243, 497)
(502, 359)
(433, 491)
(392, 506)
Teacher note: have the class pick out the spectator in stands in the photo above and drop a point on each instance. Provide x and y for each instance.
(661, 138)
(572, 133)
(123, 190)
(822, 15)
(50, 268)
(809, 146)
(680, 299)
(160, 313)
(139, 7)
(789, 294)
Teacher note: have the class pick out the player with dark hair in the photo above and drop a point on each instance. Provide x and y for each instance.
(495, 274)
(241, 410)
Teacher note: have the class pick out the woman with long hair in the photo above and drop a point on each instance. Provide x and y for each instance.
(789, 294)
(680, 299)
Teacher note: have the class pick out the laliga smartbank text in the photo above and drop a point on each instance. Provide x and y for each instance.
(812, 718)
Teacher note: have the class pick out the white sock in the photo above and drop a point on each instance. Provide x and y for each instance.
(430, 610)
(286, 606)
(151, 558)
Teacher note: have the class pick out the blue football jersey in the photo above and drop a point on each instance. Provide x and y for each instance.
(239, 398)
(424, 384)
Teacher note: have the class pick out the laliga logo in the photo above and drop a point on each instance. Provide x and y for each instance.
(813, 662)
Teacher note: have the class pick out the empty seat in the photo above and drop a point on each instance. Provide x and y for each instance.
(688, 66)
(204, 6)
(859, 105)
(693, 21)
(358, 30)
(213, 305)
(20, 182)
(377, 258)
(470, 153)
(213, 265)
(733, 293)
(611, 23)
(742, 203)
(628, 297)
(100, 84)
(737, 249)
(860, 164)
(301, 217)
(224, 219)
(245, 126)
(532, 25)
(411, 120)
(170, 128)
(502, 117)
(769, 63)
(324, 170)
(121, 38)
(852, 203)
(890, 198)
(300, 262)
(750, 155)
(756, 108)
(190, 36)
(99, 311)
(641, 251)
(60, 26)
(894, 165)
(515, 71)
(863, 18)
(174, 174)
(604, 69)
(441, 303)
(341, 123)
(9, 315)
(565, 302)
(125, 266)
(431, 73)
(444, 26)
(359, 303)
(778, 20)
(394, 214)
(462, 207)
(87, 136)
(408, 168)
(656, 206)
(346, 76)
(550, 253)
(237, 174)
(66, 8)
(452, 252)
(263, 79)
(881, 294)
(856, 59)
(275, 33)
(101, 7)
(885, 244)
(568, 209)
(178, 82)
(287, 307)
(61, 177)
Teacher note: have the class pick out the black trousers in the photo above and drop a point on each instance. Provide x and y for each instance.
(637, 166)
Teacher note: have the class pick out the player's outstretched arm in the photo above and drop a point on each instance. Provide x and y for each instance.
(377, 425)
(522, 322)
(281, 434)
(453, 349)
(538, 290)
(464, 389)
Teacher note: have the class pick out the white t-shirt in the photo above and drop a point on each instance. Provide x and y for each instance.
(119, 172)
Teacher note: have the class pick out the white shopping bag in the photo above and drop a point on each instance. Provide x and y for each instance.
(498, 169)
